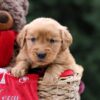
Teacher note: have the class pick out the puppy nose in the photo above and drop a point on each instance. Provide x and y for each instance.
(41, 55)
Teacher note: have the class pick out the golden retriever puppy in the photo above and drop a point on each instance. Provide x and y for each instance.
(45, 42)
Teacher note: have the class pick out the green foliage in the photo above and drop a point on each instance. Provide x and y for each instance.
(82, 17)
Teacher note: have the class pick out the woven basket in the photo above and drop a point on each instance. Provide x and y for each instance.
(67, 88)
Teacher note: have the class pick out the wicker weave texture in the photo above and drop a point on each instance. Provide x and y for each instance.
(65, 89)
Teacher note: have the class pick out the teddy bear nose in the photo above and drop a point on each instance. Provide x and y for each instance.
(41, 55)
(3, 18)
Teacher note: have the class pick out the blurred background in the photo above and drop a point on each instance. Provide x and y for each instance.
(82, 17)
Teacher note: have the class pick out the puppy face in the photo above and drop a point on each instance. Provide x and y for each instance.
(44, 39)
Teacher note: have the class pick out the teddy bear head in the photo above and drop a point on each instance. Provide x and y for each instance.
(13, 14)
(12, 19)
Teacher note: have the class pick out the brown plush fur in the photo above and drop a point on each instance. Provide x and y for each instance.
(45, 35)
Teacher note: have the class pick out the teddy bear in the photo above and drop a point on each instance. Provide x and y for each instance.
(12, 19)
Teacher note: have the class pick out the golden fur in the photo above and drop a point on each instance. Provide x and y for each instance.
(45, 35)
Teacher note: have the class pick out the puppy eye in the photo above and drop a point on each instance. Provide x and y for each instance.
(52, 41)
(33, 39)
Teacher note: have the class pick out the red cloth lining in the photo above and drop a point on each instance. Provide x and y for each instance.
(24, 88)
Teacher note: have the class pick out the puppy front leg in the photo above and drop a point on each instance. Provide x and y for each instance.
(20, 69)
(52, 73)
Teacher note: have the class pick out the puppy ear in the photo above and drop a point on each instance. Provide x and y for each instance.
(21, 36)
(66, 38)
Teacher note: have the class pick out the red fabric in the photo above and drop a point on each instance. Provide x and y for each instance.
(70, 73)
(24, 88)
(7, 39)
(66, 73)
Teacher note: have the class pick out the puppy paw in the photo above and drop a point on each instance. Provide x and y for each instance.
(18, 72)
(49, 79)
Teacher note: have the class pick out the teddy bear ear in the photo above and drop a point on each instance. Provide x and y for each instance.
(66, 38)
(21, 37)
(26, 6)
